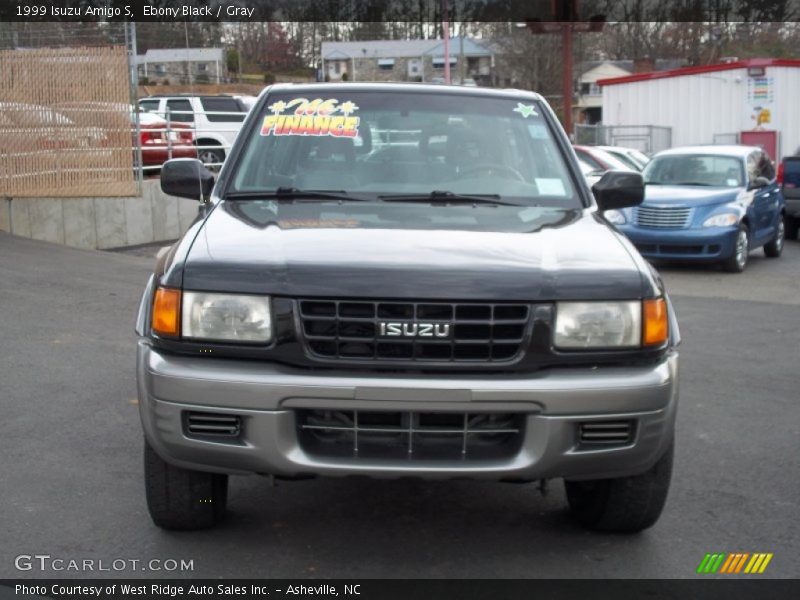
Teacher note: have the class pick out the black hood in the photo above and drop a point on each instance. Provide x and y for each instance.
(579, 258)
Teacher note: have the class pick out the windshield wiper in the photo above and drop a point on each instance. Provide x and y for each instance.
(437, 196)
(291, 194)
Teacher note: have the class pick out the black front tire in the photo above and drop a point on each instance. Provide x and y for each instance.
(182, 499)
(623, 505)
(741, 252)
(775, 247)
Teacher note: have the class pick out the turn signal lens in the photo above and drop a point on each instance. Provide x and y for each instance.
(167, 312)
(656, 328)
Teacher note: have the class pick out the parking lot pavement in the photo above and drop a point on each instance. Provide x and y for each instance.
(71, 470)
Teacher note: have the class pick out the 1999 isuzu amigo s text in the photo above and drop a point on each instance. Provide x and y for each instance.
(405, 280)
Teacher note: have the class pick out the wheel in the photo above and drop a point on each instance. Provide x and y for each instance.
(791, 223)
(775, 247)
(626, 504)
(182, 499)
(738, 260)
(211, 156)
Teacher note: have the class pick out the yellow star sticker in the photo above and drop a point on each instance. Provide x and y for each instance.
(348, 107)
(278, 107)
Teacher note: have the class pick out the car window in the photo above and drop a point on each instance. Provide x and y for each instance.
(374, 144)
(149, 105)
(611, 161)
(585, 167)
(695, 169)
(624, 158)
(791, 172)
(222, 105)
(180, 110)
(589, 160)
(641, 157)
(752, 166)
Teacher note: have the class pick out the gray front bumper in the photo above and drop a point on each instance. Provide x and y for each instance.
(266, 395)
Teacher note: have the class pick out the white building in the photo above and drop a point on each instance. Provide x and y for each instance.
(589, 105)
(751, 101)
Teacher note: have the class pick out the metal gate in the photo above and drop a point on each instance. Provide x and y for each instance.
(646, 138)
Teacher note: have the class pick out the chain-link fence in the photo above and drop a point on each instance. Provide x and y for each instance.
(70, 122)
(65, 122)
(646, 138)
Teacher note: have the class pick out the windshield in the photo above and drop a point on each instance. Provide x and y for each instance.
(628, 160)
(377, 144)
(695, 169)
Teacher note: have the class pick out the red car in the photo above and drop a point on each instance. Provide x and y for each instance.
(600, 160)
(156, 141)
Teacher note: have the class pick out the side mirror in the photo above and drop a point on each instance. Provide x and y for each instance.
(758, 182)
(186, 178)
(619, 189)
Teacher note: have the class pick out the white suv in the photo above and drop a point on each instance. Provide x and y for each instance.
(215, 119)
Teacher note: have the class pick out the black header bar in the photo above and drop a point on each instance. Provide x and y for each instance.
(402, 589)
(399, 10)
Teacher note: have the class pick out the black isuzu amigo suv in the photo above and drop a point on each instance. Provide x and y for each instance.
(401, 280)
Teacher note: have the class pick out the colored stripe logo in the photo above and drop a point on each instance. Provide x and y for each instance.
(734, 563)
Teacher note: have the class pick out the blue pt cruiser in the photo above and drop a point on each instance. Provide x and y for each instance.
(707, 203)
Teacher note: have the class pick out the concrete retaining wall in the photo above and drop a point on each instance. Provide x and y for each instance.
(100, 223)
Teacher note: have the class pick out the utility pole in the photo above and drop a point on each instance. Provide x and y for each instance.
(566, 23)
(461, 65)
(133, 75)
(566, 76)
(446, 35)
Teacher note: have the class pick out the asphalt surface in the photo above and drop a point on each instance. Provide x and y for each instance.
(71, 467)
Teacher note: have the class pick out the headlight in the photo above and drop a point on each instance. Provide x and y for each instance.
(617, 217)
(723, 220)
(598, 324)
(225, 317)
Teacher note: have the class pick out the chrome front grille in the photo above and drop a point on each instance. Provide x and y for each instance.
(661, 217)
(409, 435)
(413, 331)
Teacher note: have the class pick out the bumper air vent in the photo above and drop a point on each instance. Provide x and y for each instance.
(212, 426)
(606, 433)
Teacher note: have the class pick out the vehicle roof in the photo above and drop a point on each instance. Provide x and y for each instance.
(735, 151)
(612, 148)
(389, 87)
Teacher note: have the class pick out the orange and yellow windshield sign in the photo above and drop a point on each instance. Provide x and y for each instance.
(301, 116)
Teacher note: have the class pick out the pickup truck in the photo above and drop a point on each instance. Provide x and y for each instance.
(789, 180)
(404, 280)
